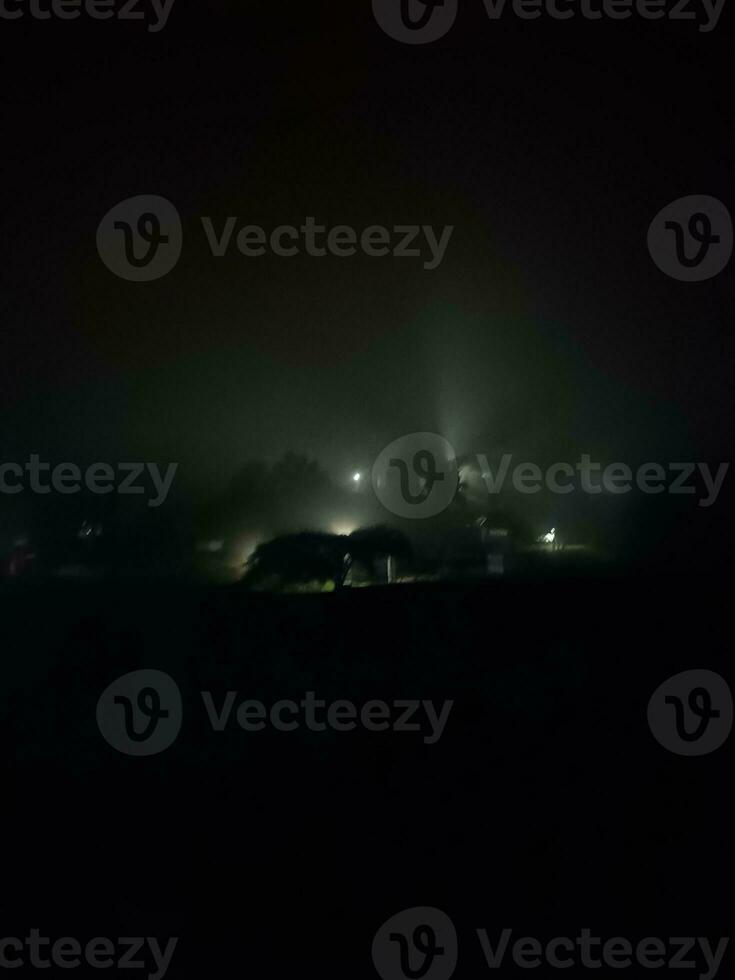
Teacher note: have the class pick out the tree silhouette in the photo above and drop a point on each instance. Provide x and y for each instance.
(295, 559)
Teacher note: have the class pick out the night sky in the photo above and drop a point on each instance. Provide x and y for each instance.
(547, 329)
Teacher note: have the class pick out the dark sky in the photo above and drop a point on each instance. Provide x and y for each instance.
(549, 145)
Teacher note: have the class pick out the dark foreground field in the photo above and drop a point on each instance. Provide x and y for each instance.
(546, 806)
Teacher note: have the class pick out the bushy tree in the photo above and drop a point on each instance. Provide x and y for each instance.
(299, 559)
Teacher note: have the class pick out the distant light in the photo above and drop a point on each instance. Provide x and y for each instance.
(550, 537)
(246, 549)
(356, 477)
(342, 527)
(211, 547)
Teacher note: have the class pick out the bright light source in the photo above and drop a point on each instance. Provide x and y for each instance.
(550, 537)
(356, 477)
(211, 547)
(244, 551)
(342, 527)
